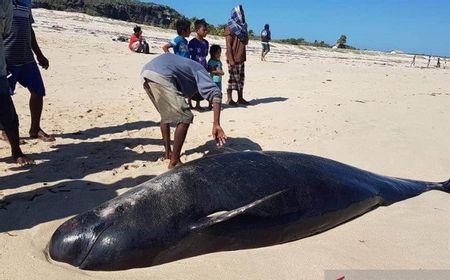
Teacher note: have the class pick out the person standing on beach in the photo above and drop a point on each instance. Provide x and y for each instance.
(266, 36)
(236, 36)
(413, 63)
(9, 121)
(137, 42)
(22, 68)
(215, 65)
(198, 50)
(168, 80)
(179, 43)
(438, 64)
(429, 60)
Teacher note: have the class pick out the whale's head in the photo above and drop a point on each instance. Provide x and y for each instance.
(129, 231)
(72, 242)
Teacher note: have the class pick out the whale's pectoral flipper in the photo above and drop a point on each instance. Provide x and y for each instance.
(220, 150)
(222, 216)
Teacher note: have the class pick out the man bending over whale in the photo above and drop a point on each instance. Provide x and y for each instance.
(168, 80)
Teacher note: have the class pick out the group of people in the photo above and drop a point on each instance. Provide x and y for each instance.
(198, 48)
(438, 62)
(17, 65)
(170, 80)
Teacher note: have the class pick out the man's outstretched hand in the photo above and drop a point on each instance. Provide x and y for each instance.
(219, 135)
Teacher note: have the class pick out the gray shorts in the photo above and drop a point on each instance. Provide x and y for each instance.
(265, 47)
(169, 102)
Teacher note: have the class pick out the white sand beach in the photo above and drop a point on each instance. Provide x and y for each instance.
(363, 108)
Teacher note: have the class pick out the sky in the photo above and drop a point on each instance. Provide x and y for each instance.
(412, 26)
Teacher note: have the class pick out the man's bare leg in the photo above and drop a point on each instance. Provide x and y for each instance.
(230, 98)
(180, 136)
(17, 154)
(36, 104)
(165, 132)
(241, 99)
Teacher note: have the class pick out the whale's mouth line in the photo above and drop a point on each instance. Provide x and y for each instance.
(93, 244)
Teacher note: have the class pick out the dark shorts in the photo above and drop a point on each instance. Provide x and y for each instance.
(28, 75)
(265, 47)
(237, 77)
(8, 115)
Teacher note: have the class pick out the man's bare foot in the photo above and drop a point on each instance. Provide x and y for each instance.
(243, 102)
(3, 137)
(231, 102)
(167, 155)
(23, 160)
(172, 164)
(42, 136)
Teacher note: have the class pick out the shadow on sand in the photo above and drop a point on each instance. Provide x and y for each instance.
(77, 160)
(257, 101)
(99, 131)
(232, 145)
(28, 209)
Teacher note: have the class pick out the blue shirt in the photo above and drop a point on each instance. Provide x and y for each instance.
(215, 65)
(199, 51)
(180, 46)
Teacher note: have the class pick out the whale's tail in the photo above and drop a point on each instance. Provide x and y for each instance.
(446, 186)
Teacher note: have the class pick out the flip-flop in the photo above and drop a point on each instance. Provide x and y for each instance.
(41, 135)
(231, 103)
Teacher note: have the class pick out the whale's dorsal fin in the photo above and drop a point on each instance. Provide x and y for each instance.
(222, 216)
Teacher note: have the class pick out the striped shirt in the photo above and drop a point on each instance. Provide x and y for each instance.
(18, 49)
(5, 26)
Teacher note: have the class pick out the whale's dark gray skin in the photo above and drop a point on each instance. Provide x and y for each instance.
(225, 202)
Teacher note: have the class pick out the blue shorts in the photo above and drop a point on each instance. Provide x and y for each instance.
(28, 75)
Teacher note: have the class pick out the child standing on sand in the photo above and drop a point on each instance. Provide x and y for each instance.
(215, 66)
(198, 49)
(179, 43)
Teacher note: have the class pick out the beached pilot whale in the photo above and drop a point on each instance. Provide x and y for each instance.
(225, 202)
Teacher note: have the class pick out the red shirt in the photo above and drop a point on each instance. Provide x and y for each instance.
(133, 40)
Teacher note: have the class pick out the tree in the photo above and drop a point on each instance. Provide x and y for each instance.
(341, 42)
(251, 33)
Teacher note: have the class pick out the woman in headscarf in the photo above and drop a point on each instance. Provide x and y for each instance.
(236, 36)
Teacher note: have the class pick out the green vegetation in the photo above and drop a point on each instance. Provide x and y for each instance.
(127, 10)
(303, 42)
